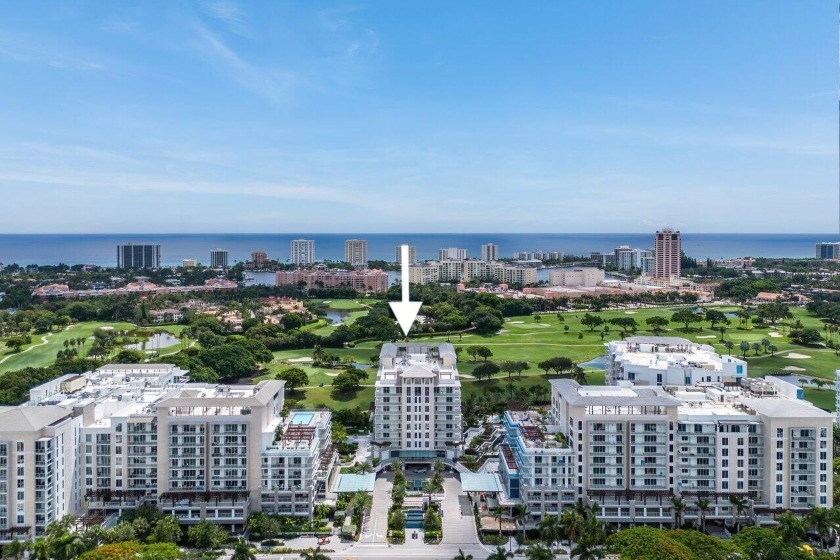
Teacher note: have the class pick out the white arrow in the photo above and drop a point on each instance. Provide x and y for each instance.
(405, 311)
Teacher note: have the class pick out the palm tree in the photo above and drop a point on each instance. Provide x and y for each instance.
(500, 554)
(539, 552)
(241, 551)
(40, 549)
(679, 507)
(765, 343)
(729, 346)
(14, 549)
(822, 521)
(745, 347)
(549, 530)
(462, 556)
(66, 546)
(703, 508)
(587, 551)
(773, 349)
(756, 346)
(438, 465)
(791, 528)
(738, 504)
(498, 513)
(363, 468)
(520, 514)
(314, 554)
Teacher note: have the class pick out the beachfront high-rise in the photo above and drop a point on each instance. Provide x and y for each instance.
(452, 254)
(412, 254)
(489, 252)
(303, 252)
(130, 255)
(417, 415)
(356, 252)
(218, 258)
(667, 253)
(828, 250)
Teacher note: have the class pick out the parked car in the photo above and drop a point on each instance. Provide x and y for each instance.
(421, 470)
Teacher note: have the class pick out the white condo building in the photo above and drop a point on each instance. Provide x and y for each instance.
(469, 270)
(489, 252)
(124, 435)
(303, 252)
(631, 449)
(452, 254)
(356, 252)
(412, 254)
(588, 276)
(417, 415)
(669, 360)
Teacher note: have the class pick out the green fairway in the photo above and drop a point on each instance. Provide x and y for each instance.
(42, 354)
(535, 339)
(347, 304)
(823, 398)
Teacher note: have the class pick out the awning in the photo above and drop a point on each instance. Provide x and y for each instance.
(481, 482)
(355, 483)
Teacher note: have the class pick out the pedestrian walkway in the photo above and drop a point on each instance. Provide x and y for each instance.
(375, 527)
(458, 521)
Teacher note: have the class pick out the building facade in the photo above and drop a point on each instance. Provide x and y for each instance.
(356, 252)
(631, 449)
(588, 276)
(417, 414)
(489, 252)
(452, 254)
(363, 281)
(828, 250)
(471, 270)
(138, 256)
(218, 258)
(103, 442)
(670, 360)
(303, 252)
(412, 254)
(667, 253)
(259, 258)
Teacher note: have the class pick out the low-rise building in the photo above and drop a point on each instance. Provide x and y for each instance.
(363, 281)
(670, 360)
(588, 276)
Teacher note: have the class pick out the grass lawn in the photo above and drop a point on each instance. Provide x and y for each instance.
(40, 354)
(534, 340)
(823, 398)
(348, 320)
(347, 304)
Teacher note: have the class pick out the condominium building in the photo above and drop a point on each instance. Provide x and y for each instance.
(828, 250)
(356, 252)
(588, 276)
(670, 360)
(627, 258)
(631, 449)
(303, 252)
(218, 258)
(452, 254)
(412, 254)
(539, 255)
(189, 263)
(489, 252)
(417, 414)
(471, 270)
(138, 256)
(667, 253)
(124, 435)
(259, 258)
(363, 281)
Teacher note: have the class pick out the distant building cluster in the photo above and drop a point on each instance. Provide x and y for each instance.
(587, 276)
(141, 286)
(538, 256)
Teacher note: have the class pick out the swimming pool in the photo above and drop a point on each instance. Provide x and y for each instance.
(302, 418)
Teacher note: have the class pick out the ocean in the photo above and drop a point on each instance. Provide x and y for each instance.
(100, 249)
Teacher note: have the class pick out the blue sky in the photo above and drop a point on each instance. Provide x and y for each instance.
(218, 116)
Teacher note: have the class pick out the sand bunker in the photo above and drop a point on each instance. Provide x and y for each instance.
(774, 335)
(298, 360)
(106, 328)
(631, 312)
(794, 368)
(331, 374)
(795, 356)
(706, 336)
(516, 322)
